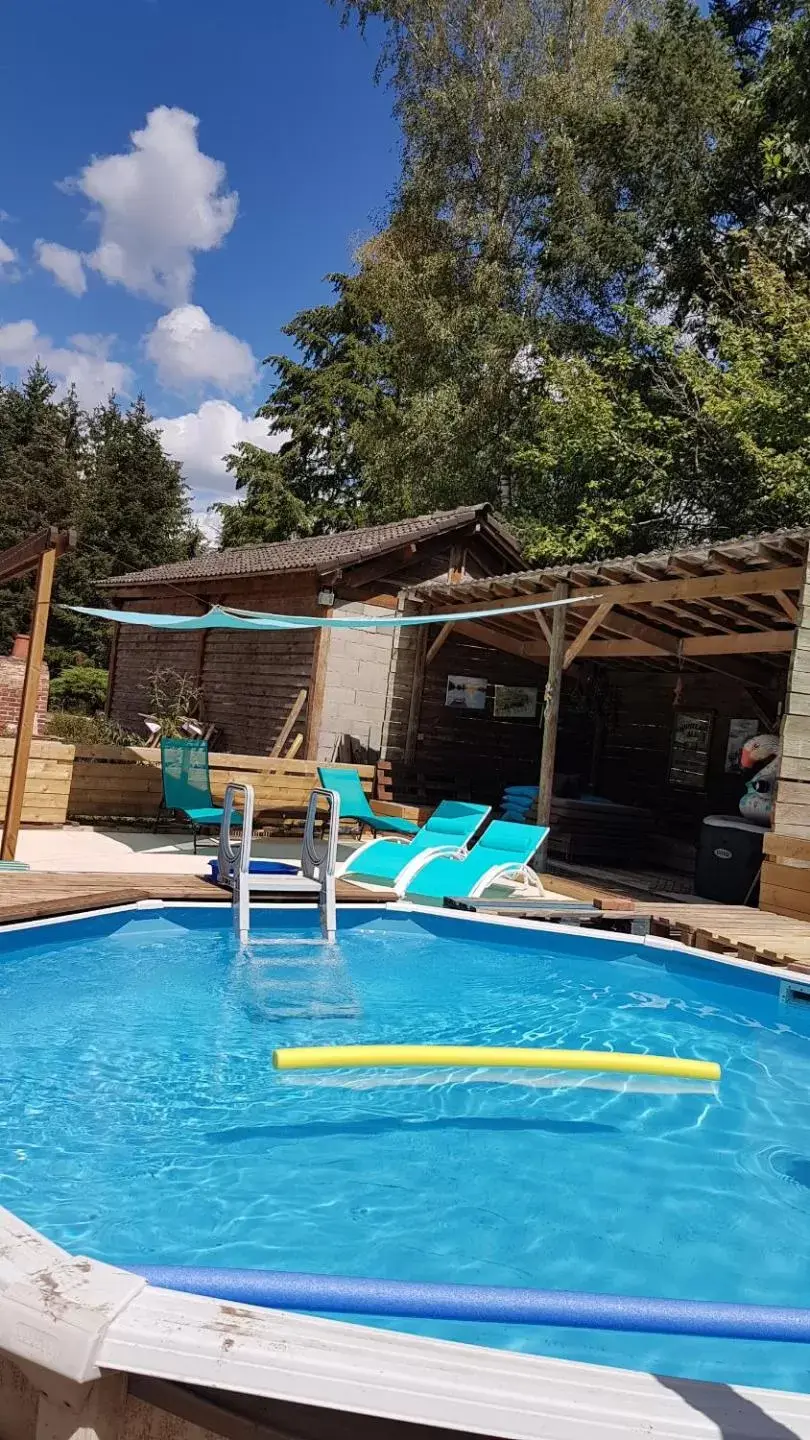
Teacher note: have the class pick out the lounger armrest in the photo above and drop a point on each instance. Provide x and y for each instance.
(436, 852)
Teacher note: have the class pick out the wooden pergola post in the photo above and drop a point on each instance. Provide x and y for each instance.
(551, 705)
(28, 708)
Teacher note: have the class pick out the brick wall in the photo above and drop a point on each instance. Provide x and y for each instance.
(12, 673)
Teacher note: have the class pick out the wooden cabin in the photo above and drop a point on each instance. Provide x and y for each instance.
(252, 684)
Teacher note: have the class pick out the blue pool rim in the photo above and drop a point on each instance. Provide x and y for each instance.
(493, 1304)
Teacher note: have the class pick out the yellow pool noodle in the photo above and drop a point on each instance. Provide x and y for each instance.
(347, 1057)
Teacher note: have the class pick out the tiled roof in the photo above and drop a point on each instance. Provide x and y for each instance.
(321, 553)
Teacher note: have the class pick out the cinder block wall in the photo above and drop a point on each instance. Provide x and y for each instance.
(357, 672)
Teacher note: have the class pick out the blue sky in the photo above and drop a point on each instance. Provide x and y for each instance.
(169, 263)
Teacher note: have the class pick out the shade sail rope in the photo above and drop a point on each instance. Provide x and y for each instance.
(221, 617)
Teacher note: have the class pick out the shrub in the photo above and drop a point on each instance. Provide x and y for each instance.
(81, 689)
(73, 729)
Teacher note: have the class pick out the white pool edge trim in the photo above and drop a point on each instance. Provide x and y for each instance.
(49, 1298)
(652, 942)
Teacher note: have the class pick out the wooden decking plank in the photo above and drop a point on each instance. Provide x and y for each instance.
(36, 894)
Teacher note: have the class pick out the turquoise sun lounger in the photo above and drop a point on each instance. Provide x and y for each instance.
(503, 852)
(449, 831)
(354, 802)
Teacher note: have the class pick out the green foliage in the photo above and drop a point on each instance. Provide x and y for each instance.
(81, 689)
(589, 301)
(74, 729)
(173, 698)
(106, 475)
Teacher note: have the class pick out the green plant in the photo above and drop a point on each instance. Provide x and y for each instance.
(82, 689)
(173, 697)
(73, 729)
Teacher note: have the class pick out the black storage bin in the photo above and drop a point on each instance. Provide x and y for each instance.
(728, 859)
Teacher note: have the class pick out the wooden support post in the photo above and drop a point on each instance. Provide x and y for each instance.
(417, 690)
(317, 691)
(108, 698)
(28, 708)
(551, 706)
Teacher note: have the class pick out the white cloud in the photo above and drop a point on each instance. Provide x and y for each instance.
(85, 363)
(8, 269)
(156, 205)
(65, 265)
(201, 440)
(189, 350)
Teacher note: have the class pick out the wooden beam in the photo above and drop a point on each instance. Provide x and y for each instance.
(317, 690)
(22, 558)
(544, 626)
(551, 707)
(745, 642)
(458, 557)
(499, 640)
(356, 575)
(790, 609)
(284, 733)
(417, 691)
(28, 707)
(585, 633)
(746, 582)
(661, 640)
(438, 642)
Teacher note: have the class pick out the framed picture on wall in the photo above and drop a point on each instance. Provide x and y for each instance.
(466, 692)
(738, 732)
(515, 702)
(689, 751)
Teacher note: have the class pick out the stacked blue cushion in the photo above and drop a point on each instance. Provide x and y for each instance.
(518, 803)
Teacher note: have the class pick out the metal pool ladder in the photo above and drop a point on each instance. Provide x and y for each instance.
(318, 860)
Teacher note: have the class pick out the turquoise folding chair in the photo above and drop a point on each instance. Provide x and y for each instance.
(504, 852)
(354, 803)
(187, 785)
(449, 831)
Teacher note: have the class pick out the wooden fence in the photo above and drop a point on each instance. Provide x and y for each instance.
(785, 883)
(47, 787)
(124, 783)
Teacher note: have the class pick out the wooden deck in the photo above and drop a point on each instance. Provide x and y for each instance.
(753, 935)
(39, 894)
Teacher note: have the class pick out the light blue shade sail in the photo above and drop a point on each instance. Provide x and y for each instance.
(221, 618)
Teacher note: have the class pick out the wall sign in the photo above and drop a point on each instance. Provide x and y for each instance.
(466, 692)
(515, 702)
(738, 732)
(689, 754)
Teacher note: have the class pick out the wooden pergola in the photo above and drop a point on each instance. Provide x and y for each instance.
(730, 607)
(39, 554)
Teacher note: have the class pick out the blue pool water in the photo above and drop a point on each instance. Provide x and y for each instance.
(142, 1122)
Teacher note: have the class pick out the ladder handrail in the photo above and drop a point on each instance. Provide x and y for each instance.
(235, 858)
(317, 863)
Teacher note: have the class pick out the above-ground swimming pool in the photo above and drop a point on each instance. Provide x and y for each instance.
(142, 1121)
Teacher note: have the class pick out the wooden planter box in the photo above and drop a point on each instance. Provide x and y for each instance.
(47, 786)
(114, 782)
